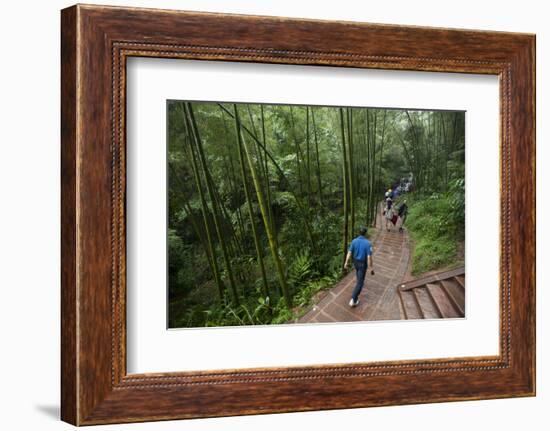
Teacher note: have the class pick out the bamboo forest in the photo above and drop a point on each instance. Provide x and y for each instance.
(264, 200)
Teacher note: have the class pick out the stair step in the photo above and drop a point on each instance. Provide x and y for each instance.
(410, 305)
(442, 301)
(455, 293)
(429, 310)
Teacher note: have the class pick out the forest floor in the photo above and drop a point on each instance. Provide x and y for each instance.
(379, 298)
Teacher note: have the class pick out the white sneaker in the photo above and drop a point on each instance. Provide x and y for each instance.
(353, 304)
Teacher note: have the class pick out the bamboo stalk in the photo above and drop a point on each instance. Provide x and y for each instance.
(204, 209)
(351, 171)
(259, 254)
(194, 222)
(266, 174)
(303, 211)
(263, 210)
(308, 158)
(345, 187)
(215, 207)
(318, 171)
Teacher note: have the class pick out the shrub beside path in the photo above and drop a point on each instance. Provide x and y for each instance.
(379, 297)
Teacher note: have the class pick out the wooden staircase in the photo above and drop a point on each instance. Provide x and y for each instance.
(438, 296)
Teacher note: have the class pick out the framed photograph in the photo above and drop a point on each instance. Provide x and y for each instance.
(265, 214)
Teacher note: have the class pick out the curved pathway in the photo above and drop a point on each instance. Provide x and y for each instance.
(379, 298)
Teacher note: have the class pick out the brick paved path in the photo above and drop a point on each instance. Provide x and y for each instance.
(378, 299)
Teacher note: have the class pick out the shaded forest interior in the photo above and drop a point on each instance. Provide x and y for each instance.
(263, 201)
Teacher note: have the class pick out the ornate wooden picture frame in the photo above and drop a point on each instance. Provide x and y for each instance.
(96, 42)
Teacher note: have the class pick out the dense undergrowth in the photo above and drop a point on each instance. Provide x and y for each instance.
(436, 225)
(307, 273)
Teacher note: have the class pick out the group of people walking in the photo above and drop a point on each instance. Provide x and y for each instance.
(394, 214)
(360, 250)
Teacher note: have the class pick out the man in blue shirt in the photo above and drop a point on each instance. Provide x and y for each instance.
(360, 250)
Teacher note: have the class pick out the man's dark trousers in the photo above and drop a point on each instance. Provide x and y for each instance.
(361, 270)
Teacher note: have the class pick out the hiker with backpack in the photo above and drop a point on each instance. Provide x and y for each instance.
(389, 213)
(402, 212)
